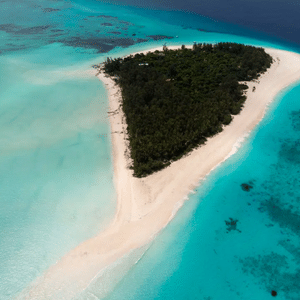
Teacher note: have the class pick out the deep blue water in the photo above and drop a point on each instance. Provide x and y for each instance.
(56, 186)
(277, 18)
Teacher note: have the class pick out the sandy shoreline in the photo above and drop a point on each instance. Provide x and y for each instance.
(146, 205)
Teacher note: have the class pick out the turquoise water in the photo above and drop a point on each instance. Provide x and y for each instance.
(55, 165)
(56, 175)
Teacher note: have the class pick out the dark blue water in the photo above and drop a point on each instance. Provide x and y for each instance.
(277, 18)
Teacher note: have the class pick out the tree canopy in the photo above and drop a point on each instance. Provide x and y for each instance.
(173, 100)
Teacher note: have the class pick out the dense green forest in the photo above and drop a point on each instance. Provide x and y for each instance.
(174, 99)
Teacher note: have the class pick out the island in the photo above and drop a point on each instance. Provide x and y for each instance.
(147, 204)
(173, 100)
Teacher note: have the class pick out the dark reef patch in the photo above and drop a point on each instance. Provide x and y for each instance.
(32, 30)
(125, 23)
(14, 47)
(55, 35)
(292, 249)
(273, 272)
(9, 28)
(49, 9)
(290, 152)
(295, 119)
(159, 37)
(204, 30)
(139, 40)
(100, 44)
(106, 17)
(115, 32)
(285, 217)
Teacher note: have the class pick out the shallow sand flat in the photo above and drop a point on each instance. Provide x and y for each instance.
(146, 205)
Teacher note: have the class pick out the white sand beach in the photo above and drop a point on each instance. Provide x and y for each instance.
(146, 205)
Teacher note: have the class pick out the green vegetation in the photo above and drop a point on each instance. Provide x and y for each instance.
(174, 99)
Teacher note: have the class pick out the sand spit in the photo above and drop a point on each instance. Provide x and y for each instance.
(146, 205)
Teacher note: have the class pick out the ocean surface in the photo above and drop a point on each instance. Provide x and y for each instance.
(56, 174)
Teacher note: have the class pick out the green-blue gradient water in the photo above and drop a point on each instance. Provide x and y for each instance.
(56, 174)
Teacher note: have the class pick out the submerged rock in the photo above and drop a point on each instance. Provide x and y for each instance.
(274, 293)
(246, 187)
(231, 225)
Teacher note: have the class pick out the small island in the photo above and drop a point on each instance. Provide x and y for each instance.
(173, 100)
